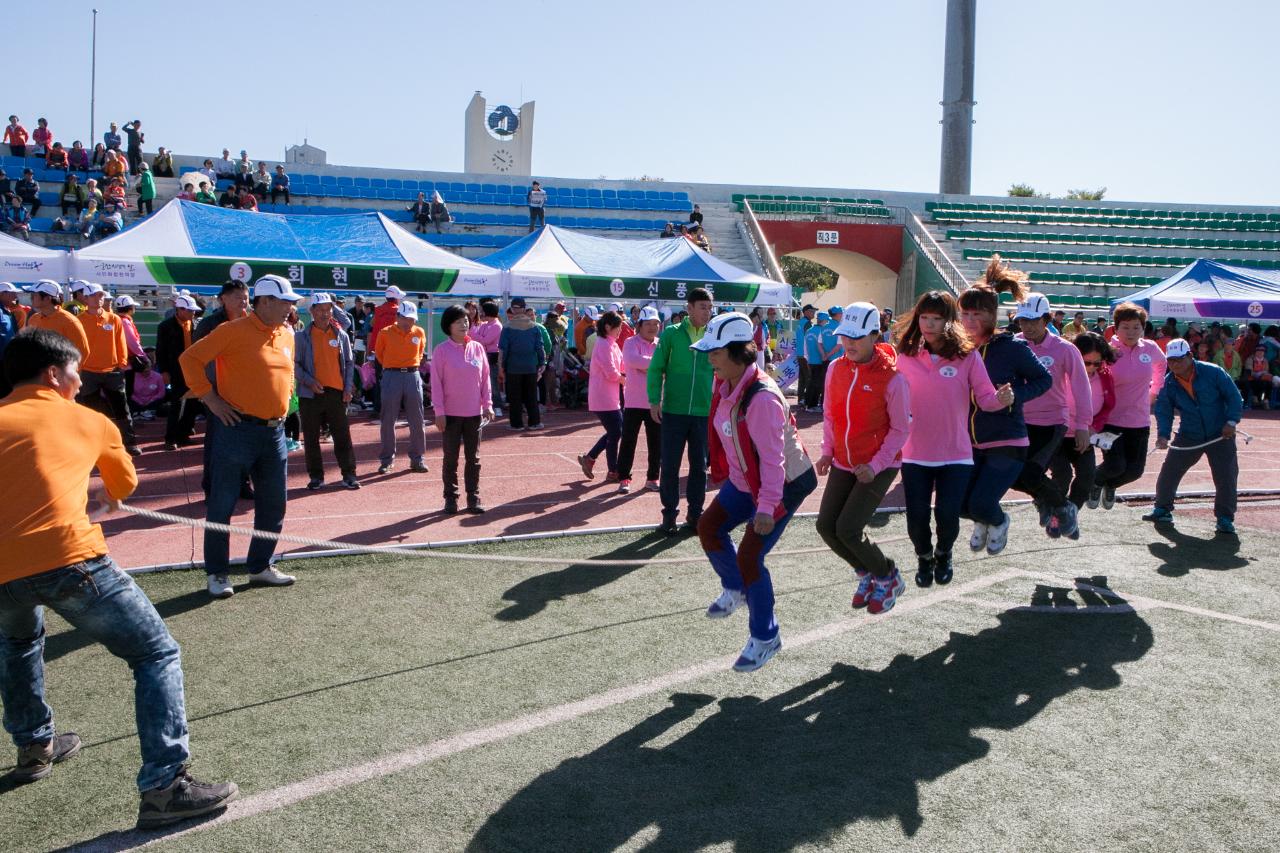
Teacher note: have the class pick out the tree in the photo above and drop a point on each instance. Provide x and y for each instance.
(1025, 191)
(1087, 195)
(807, 275)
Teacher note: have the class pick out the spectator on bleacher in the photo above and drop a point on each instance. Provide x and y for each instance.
(6, 186)
(248, 201)
(77, 157)
(110, 221)
(440, 216)
(162, 163)
(225, 168)
(102, 370)
(262, 181)
(1058, 322)
(188, 192)
(114, 194)
(669, 230)
(695, 216)
(111, 139)
(206, 169)
(279, 184)
(88, 218)
(92, 192)
(57, 158)
(421, 212)
(326, 384)
(1075, 327)
(698, 238)
(41, 138)
(73, 195)
(521, 361)
(488, 332)
(115, 167)
(15, 219)
(133, 146)
(244, 171)
(604, 396)
(205, 194)
(99, 158)
(16, 135)
(637, 354)
(146, 190)
(460, 397)
(536, 198)
(28, 189)
(230, 197)
(400, 349)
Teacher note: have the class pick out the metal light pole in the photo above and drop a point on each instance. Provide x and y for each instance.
(93, 80)
(957, 97)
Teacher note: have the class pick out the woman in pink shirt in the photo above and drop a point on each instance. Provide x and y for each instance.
(942, 372)
(461, 399)
(1097, 356)
(604, 397)
(637, 352)
(1138, 374)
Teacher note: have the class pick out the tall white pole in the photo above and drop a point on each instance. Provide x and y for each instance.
(93, 81)
(957, 97)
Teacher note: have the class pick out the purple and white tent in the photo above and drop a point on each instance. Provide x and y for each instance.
(1213, 290)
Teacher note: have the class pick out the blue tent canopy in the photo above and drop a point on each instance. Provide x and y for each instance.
(1210, 289)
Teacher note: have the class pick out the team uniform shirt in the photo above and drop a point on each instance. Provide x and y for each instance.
(871, 426)
(606, 377)
(108, 349)
(51, 446)
(766, 419)
(1139, 375)
(460, 379)
(400, 349)
(487, 333)
(253, 363)
(326, 352)
(940, 390)
(812, 342)
(637, 353)
(831, 344)
(64, 323)
(1069, 401)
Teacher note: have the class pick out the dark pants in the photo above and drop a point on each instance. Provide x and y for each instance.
(326, 407)
(17, 150)
(632, 420)
(461, 433)
(182, 416)
(135, 160)
(243, 449)
(522, 399)
(35, 205)
(1034, 479)
(1223, 465)
(944, 485)
(106, 393)
(537, 217)
(817, 379)
(1126, 461)
(1084, 466)
(72, 205)
(275, 193)
(802, 379)
(994, 472)
(679, 431)
(612, 423)
(847, 507)
(495, 387)
(147, 204)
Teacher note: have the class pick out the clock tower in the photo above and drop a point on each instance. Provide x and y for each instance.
(499, 140)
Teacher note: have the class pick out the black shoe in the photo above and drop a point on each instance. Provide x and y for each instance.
(169, 445)
(451, 506)
(924, 571)
(184, 797)
(670, 528)
(690, 525)
(133, 450)
(36, 760)
(418, 467)
(942, 568)
(475, 507)
(315, 484)
(246, 492)
(384, 469)
(350, 483)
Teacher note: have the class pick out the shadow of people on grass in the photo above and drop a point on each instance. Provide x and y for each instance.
(72, 640)
(768, 775)
(532, 595)
(1182, 553)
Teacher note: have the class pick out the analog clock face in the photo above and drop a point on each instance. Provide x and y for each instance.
(503, 160)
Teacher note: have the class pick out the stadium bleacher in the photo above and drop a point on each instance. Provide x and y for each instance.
(1041, 214)
(806, 205)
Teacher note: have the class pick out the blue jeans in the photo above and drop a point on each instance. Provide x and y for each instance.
(258, 452)
(944, 485)
(677, 432)
(612, 423)
(743, 568)
(104, 603)
(994, 472)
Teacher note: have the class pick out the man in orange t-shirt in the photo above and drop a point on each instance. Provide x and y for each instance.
(48, 313)
(399, 350)
(55, 557)
(102, 372)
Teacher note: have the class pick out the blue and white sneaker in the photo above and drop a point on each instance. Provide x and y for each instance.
(729, 601)
(756, 653)
(998, 536)
(978, 540)
(1159, 515)
(1226, 527)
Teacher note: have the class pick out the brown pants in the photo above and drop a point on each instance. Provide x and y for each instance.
(461, 433)
(847, 506)
(315, 411)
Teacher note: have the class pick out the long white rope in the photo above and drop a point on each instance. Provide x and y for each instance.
(1247, 438)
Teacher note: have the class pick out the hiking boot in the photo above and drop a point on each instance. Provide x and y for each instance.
(978, 540)
(36, 760)
(669, 527)
(886, 593)
(942, 568)
(998, 536)
(220, 586)
(1159, 515)
(924, 570)
(1068, 521)
(451, 506)
(587, 464)
(1225, 526)
(729, 601)
(756, 653)
(271, 576)
(184, 797)
(866, 583)
(475, 507)
(1108, 497)
(1095, 497)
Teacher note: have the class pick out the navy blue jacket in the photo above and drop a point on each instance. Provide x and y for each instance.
(1008, 360)
(1217, 401)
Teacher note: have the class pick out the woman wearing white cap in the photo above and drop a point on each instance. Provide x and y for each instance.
(756, 450)
(637, 352)
(864, 427)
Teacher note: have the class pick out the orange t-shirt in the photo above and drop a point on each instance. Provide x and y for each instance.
(108, 349)
(186, 334)
(398, 348)
(50, 448)
(252, 361)
(326, 349)
(64, 323)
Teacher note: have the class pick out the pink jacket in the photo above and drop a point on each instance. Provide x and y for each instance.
(636, 355)
(1069, 400)
(606, 377)
(459, 379)
(940, 406)
(766, 422)
(487, 333)
(1139, 376)
(148, 387)
(131, 338)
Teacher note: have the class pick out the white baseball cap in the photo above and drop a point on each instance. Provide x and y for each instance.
(1035, 307)
(9, 287)
(321, 299)
(78, 286)
(724, 330)
(187, 302)
(124, 300)
(592, 313)
(274, 285)
(615, 306)
(47, 286)
(860, 319)
(407, 309)
(92, 289)
(1177, 348)
(393, 292)
(648, 312)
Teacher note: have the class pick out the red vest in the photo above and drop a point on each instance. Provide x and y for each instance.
(855, 402)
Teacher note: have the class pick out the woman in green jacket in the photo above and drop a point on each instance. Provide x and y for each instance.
(146, 190)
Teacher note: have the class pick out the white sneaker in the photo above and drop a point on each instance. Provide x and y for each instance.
(220, 586)
(271, 576)
(729, 601)
(756, 653)
(998, 536)
(978, 540)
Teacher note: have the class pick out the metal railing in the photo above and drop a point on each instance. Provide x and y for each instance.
(759, 245)
(937, 256)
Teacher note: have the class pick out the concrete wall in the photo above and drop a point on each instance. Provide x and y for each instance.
(861, 279)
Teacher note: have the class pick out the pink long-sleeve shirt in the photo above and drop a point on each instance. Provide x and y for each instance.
(766, 418)
(459, 379)
(606, 376)
(132, 340)
(939, 402)
(487, 333)
(1069, 400)
(636, 355)
(1139, 376)
(898, 405)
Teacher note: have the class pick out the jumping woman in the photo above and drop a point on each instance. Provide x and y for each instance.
(1074, 471)
(1138, 373)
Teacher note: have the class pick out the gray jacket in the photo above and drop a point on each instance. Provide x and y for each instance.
(304, 361)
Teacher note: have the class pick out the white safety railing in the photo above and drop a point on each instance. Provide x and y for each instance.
(930, 249)
(759, 245)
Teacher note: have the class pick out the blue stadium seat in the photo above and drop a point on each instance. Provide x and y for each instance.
(682, 196)
(328, 181)
(652, 194)
(612, 204)
(489, 189)
(427, 187)
(579, 192)
(596, 202)
(368, 192)
(473, 188)
(592, 192)
(394, 183)
(361, 182)
(410, 185)
(455, 187)
(311, 180)
(385, 193)
(667, 196)
(609, 193)
(344, 181)
(378, 183)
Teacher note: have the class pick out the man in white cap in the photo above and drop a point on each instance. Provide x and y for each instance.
(326, 384)
(253, 358)
(383, 316)
(1210, 406)
(173, 337)
(400, 350)
(75, 296)
(48, 313)
(102, 369)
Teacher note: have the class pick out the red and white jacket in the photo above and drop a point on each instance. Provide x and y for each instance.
(867, 416)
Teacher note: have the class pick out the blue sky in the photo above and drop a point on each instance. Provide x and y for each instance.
(1158, 101)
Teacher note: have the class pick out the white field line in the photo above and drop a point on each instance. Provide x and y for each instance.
(345, 777)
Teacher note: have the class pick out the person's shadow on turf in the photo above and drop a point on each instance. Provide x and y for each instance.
(802, 766)
(1182, 553)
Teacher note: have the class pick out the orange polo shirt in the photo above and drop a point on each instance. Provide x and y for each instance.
(326, 347)
(397, 348)
(50, 447)
(108, 349)
(252, 361)
(64, 323)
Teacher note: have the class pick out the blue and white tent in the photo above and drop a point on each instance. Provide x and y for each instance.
(23, 263)
(1210, 289)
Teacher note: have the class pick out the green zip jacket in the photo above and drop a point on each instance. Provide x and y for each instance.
(678, 376)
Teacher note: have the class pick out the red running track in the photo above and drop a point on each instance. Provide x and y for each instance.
(529, 482)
